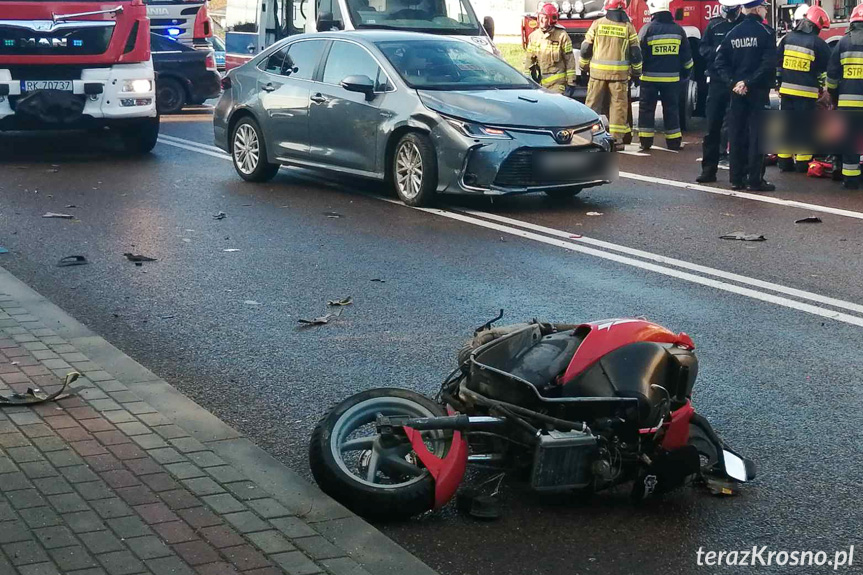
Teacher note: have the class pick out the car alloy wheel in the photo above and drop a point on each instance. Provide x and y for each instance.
(409, 170)
(247, 149)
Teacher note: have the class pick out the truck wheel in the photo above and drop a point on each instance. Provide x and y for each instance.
(170, 96)
(688, 101)
(249, 152)
(141, 138)
(360, 469)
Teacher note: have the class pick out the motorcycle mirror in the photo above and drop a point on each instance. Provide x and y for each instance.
(735, 467)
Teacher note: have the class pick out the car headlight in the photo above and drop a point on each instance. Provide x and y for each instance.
(578, 6)
(473, 130)
(603, 122)
(566, 6)
(137, 86)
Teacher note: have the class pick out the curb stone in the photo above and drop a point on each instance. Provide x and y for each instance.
(123, 390)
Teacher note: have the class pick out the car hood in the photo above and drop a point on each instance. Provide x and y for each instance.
(512, 108)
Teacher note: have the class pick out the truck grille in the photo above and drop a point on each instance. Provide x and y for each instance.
(67, 40)
(46, 72)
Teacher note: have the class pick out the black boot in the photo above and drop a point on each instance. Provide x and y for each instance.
(762, 186)
(674, 143)
(706, 177)
(646, 143)
(785, 164)
(851, 184)
(801, 167)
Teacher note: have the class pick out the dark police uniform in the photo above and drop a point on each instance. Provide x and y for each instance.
(718, 95)
(845, 82)
(747, 54)
(667, 59)
(803, 58)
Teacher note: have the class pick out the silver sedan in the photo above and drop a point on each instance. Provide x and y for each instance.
(429, 114)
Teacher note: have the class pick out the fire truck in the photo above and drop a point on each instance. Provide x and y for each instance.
(838, 10)
(252, 25)
(576, 16)
(73, 64)
(186, 21)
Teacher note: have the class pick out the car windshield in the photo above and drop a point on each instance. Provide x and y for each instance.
(450, 65)
(454, 17)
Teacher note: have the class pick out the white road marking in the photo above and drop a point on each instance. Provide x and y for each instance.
(190, 143)
(744, 195)
(485, 221)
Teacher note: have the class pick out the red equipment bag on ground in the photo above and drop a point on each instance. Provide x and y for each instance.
(819, 169)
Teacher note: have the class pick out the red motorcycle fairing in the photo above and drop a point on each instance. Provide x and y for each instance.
(608, 335)
(447, 472)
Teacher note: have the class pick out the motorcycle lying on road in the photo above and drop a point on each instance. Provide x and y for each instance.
(576, 407)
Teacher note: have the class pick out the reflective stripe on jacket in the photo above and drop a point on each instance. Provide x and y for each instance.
(611, 49)
(845, 72)
(552, 52)
(803, 59)
(665, 49)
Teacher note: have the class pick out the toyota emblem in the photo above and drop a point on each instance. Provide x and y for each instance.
(563, 136)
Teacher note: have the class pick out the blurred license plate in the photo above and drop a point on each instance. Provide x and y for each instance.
(33, 85)
(561, 165)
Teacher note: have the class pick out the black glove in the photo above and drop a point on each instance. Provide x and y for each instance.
(536, 73)
(582, 79)
(569, 92)
(636, 81)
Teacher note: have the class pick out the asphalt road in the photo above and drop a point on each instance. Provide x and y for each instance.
(777, 323)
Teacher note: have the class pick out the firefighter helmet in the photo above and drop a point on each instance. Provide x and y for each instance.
(857, 14)
(800, 13)
(549, 10)
(657, 6)
(818, 16)
(614, 5)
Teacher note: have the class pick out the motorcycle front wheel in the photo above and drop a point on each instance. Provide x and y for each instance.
(371, 475)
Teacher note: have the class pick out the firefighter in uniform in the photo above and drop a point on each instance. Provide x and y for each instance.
(845, 83)
(667, 61)
(612, 54)
(549, 59)
(746, 61)
(803, 58)
(715, 144)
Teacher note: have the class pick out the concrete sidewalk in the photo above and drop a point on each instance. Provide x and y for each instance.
(129, 476)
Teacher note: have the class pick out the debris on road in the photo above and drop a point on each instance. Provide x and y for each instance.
(34, 395)
(3, 250)
(324, 319)
(808, 220)
(743, 237)
(220, 216)
(333, 215)
(72, 261)
(59, 216)
(138, 259)
(594, 213)
(379, 280)
(231, 250)
(251, 302)
(70, 206)
(341, 302)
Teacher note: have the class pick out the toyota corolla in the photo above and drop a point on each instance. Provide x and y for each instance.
(431, 115)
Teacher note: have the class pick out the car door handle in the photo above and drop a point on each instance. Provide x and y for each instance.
(268, 87)
(318, 99)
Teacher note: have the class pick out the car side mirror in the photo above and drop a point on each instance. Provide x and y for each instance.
(361, 84)
(488, 24)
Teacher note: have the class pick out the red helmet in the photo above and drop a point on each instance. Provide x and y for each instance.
(614, 4)
(857, 14)
(549, 10)
(818, 16)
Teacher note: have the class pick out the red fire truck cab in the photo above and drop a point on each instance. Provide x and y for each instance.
(78, 65)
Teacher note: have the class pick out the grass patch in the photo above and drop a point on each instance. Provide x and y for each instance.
(513, 54)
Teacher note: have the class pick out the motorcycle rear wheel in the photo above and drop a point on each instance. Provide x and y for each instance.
(352, 465)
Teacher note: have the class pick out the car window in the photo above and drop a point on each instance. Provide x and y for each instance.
(347, 59)
(161, 44)
(275, 62)
(302, 59)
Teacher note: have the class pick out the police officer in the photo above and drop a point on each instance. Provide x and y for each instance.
(549, 59)
(612, 54)
(667, 61)
(803, 58)
(715, 142)
(746, 61)
(845, 83)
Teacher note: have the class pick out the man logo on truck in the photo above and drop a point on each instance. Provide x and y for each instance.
(44, 43)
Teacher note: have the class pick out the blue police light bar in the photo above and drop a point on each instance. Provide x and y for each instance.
(174, 32)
